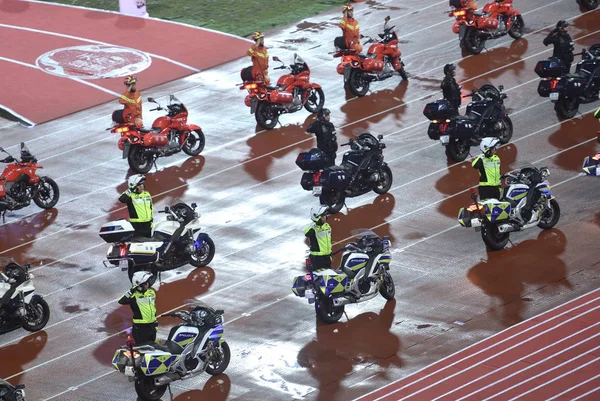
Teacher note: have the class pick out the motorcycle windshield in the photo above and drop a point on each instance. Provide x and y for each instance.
(298, 60)
(363, 232)
(24, 149)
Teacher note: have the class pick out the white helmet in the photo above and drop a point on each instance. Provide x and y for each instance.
(141, 277)
(317, 213)
(136, 180)
(488, 143)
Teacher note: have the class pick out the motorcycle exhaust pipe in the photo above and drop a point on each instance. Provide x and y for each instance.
(166, 379)
(346, 301)
(507, 228)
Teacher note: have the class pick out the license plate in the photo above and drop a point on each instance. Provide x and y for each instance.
(317, 190)
(475, 223)
(309, 295)
(554, 96)
(123, 264)
(129, 371)
(444, 139)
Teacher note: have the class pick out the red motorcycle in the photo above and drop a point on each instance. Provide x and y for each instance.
(381, 62)
(498, 18)
(169, 134)
(19, 184)
(292, 92)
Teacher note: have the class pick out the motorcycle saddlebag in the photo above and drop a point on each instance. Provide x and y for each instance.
(299, 286)
(157, 140)
(117, 116)
(544, 88)
(439, 110)
(462, 128)
(312, 160)
(340, 42)
(246, 74)
(434, 131)
(550, 68)
(335, 179)
(156, 362)
(572, 86)
(307, 181)
(116, 231)
(372, 64)
(277, 96)
(455, 3)
(331, 282)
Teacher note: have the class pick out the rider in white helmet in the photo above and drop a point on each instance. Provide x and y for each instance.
(319, 235)
(139, 205)
(142, 300)
(488, 165)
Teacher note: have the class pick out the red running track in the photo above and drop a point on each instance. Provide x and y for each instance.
(553, 356)
(29, 29)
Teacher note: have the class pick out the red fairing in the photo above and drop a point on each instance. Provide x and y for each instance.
(13, 171)
(161, 122)
(377, 48)
(156, 140)
(286, 80)
(276, 96)
(2, 188)
(372, 64)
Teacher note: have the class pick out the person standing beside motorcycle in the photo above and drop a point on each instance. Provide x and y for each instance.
(451, 88)
(350, 28)
(319, 235)
(141, 298)
(563, 44)
(260, 58)
(132, 100)
(326, 136)
(488, 165)
(139, 205)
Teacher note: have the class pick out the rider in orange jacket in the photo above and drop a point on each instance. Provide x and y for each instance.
(350, 28)
(132, 100)
(260, 58)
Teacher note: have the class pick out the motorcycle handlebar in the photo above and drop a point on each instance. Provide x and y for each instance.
(280, 68)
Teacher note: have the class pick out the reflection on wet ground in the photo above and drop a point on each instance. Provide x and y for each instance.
(21, 353)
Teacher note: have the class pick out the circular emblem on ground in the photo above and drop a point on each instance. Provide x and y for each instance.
(94, 61)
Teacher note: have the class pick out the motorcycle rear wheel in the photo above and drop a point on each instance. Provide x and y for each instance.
(47, 193)
(205, 255)
(357, 84)
(567, 107)
(147, 390)
(517, 27)
(326, 311)
(266, 116)
(194, 144)
(457, 150)
(474, 43)
(315, 100)
(385, 183)
(334, 200)
(494, 239)
(139, 161)
(218, 367)
(40, 308)
(387, 289)
(550, 221)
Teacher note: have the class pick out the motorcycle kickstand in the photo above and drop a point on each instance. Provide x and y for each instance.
(345, 314)
(3, 213)
(170, 393)
(154, 163)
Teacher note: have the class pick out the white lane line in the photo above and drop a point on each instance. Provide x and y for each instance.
(62, 35)
(576, 386)
(73, 388)
(81, 81)
(552, 380)
(479, 389)
(11, 111)
(586, 394)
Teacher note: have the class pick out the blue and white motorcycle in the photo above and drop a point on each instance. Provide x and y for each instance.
(175, 242)
(192, 348)
(497, 218)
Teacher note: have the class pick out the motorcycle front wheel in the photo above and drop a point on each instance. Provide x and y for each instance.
(550, 216)
(266, 116)
(493, 238)
(194, 143)
(457, 149)
(139, 161)
(385, 182)
(204, 255)
(567, 107)
(147, 390)
(517, 27)
(326, 311)
(507, 130)
(357, 84)
(315, 101)
(38, 314)
(217, 365)
(473, 42)
(387, 288)
(47, 193)
(590, 4)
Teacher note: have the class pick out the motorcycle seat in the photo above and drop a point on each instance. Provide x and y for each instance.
(361, 56)
(273, 87)
(140, 239)
(348, 272)
(480, 14)
(169, 346)
(334, 168)
(466, 117)
(576, 75)
(151, 130)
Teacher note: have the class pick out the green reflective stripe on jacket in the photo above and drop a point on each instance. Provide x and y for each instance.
(146, 303)
(489, 170)
(597, 114)
(142, 203)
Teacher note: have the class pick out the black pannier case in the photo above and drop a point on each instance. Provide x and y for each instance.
(312, 160)
(335, 179)
(439, 110)
(550, 68)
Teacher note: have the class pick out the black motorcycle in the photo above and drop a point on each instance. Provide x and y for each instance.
(589, 4)
(486, 116)
(8, 392)
(361, 171)
(568, 91)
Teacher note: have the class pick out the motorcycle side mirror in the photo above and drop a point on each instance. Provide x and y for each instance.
(275, 58)
(171, 98)
(194, 205)
(27, 266)
(151, 99)
(380, 137)
(500, 87)
(166, 209)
